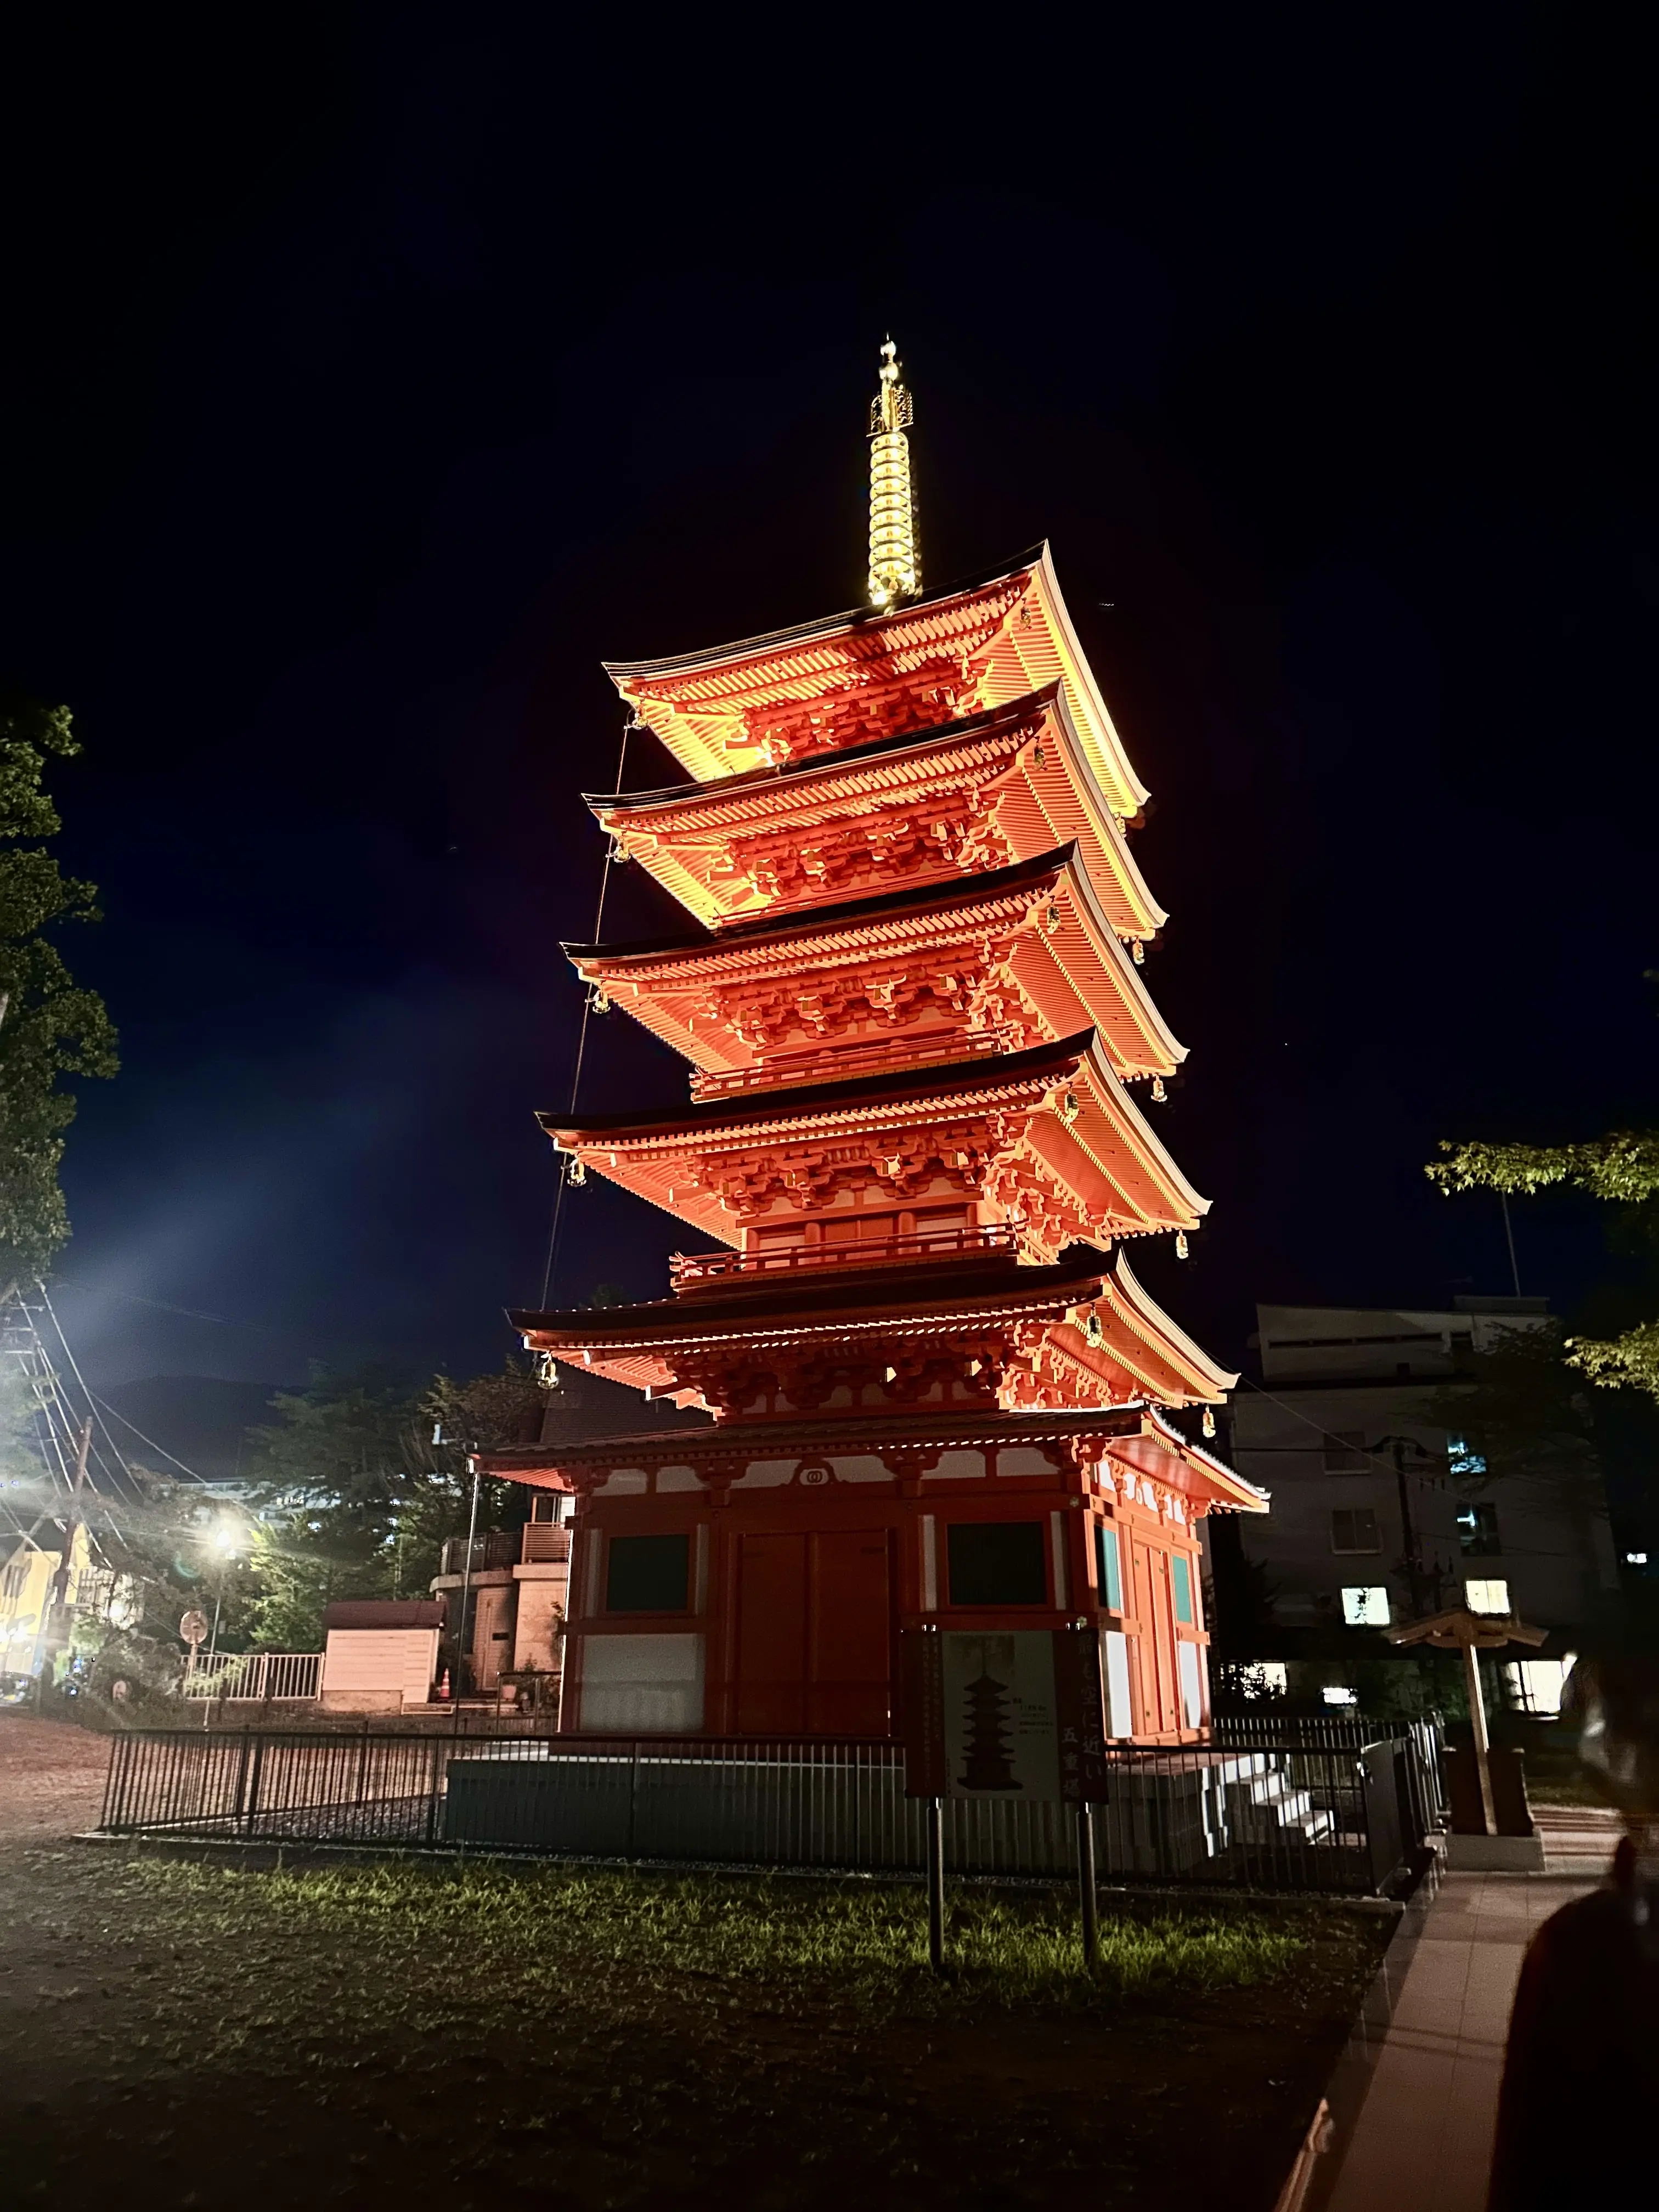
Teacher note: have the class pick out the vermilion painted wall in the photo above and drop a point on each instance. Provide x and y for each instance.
(798, 1596)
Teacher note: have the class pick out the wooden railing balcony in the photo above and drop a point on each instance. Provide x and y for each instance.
(836, 1062)
(692, 1270)
(497, 1547)
(545, 1543)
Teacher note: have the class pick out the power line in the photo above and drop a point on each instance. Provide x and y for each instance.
(581, 1044)
(136, 1487)
(143, 1439)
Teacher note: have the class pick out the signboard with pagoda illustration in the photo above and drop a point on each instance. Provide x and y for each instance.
(915, 1150)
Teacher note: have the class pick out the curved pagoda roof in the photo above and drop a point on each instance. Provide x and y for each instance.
(861, 674)
(1129, 1445)
(906, 966)
(889, 810)
(1049, 1133)
(1113, 1341)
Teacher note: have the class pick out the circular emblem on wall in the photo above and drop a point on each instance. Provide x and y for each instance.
(813, 1472)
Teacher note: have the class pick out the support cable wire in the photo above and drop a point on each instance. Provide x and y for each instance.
(132, 1482)
(1382, 1466)
(143, 1439)
(581, 1047)
(56, 1437)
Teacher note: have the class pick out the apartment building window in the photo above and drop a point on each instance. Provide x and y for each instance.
(1486, 1597)
(1353, 1528)
(1345, 1452)
(1477, 1532)
(1366, 1608)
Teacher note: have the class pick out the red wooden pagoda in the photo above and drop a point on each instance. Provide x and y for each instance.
(912, 1003)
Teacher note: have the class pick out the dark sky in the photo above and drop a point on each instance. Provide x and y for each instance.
(372, 374)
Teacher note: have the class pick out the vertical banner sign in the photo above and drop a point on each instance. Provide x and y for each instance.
(1011, 1715)
(922, 1710)
(1082, 1722)
(1001, 1734)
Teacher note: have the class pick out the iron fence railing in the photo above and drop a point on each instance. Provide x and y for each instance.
(1419, 1742)
(249, 1675)
(1286, 1816)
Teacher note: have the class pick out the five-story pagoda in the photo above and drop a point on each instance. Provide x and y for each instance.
(911, 1000)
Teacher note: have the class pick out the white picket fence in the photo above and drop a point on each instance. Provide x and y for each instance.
(250, 1674)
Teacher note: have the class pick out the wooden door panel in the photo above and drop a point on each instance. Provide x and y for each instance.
(1152, 1705)
(1160, 1709)
(771, 1634)
(849, 1668)
(1163, 1637)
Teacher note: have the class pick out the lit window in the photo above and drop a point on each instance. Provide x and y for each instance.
(1353, 1528)
(1537, 1684)
(1337, 1693)
(1636, 1558)
(1486, 1597)
(1477, 1532)
(1365, 1608)
(1265, 1678)
(1461, 1460)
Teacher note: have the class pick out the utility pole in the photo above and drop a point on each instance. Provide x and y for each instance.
(1409, 1541)
(438, 1438)
(60, 1581)
(1509, 1238)
(466, 1585)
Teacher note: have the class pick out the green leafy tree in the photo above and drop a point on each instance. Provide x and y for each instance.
(331, 1473)
(1621, 1170)
(360, 1480)
(49, 1027)
(168, 1551)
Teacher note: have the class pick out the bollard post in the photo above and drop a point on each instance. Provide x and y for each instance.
(1086, 1888)
(936, 1884)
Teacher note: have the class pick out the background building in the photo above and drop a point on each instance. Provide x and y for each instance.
(1381, 1510)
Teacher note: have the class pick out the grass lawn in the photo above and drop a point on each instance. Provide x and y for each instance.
(185, 2031)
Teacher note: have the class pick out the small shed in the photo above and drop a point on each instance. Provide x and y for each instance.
(380, 1655)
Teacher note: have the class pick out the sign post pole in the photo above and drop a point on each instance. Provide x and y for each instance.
(1086, 1887)
(936, 1884)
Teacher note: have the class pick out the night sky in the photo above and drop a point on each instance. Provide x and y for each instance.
(372, 374)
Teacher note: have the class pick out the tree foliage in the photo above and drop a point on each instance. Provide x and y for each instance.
(1522, 1415)
(49, 1026)
(360, 1481)
(1622, 1170)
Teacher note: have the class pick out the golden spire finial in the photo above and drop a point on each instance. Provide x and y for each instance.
(895, 555)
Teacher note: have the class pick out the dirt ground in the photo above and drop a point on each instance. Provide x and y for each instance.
(182, 2031)
(52, 1777)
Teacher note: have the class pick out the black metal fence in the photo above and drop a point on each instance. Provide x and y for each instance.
(1290, 1815)
(1417, 1746)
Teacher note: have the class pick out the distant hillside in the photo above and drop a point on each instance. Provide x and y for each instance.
(200, 1418)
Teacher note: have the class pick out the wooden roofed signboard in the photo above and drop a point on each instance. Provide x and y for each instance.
(924, 1078)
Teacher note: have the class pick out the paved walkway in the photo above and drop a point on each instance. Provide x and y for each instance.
(1422, 2141)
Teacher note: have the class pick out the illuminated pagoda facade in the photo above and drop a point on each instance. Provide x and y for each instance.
(911, 994)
